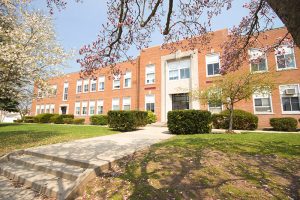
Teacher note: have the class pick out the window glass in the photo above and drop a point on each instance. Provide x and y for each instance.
(150, 74)
(212, 64)
(285, 57)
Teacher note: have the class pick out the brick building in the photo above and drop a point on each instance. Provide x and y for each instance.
(160, 81)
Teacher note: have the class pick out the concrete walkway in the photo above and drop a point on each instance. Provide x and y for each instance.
(61, 170)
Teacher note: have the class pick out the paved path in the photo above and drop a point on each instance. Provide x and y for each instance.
(57, 170)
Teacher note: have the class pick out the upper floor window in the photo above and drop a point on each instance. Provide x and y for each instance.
(66, 91)
(115, 104)
(100, 107)
(258, 60)
(126, 103)
(40, 93)
(179, 69)
(150, 74)
(93, 85)
(92, 107)
(285, 58)
(212, 64)
(127, 80)
(86, 85)
(79, 86)
(116, 82)
(290, 99)
(262, 103)
(101, 82)
(52, 91)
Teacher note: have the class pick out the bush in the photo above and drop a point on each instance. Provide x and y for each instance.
(18, 121)
(151, 117)
(284, 124)
(126, 120)
(43, 118)
(189, 121)
(68, 116)
(99, 120)
(68, 120)
(29, 119)
(59, 119)
(78, 121)
(242, 120)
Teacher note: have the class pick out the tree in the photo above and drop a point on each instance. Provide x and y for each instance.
(131, 22)
(29, 53)
(235, 87)
(7, 105)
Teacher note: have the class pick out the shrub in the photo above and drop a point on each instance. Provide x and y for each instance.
(59, 119)
(242, 120)
(126, 120)
(189, 121)
(43, 118)
(29, 119)
(68, 116)
(151, 117)
(284, 124)
(18, 121)
(78, 121)
(68, 120)
(99, 119)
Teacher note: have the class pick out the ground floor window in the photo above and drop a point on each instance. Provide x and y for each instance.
(115, 104)
(262, 103)
(180, 101)
(150, 102)
(84, 108)
(100, 107)
(92, 107)
(77, 108)
(215, 107)
(126, 103)
(290, 98)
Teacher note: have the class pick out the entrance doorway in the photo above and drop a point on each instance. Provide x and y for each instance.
(63, 110)
(180, 101)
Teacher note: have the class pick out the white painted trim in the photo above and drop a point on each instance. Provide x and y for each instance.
(263, 113)
(266, 58)
(215, 75)
(288, 112)
(284, 69)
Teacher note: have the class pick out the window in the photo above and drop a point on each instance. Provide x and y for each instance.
(150, 102)
(285, 58)
(77, 108)
(37, 110)
(180, 101)
(127, 80)
(126, 103)
(212, 64)
(101, 83)
(84, 108)
(92, 107)
(215, 107)
(40, 93)
(262, 103)
(179, 69)
(100, 107)
(52, 91)
(115, 104)
(93, 85)
(65, 92)
(52, 108)
(42, 109)
(116, 82)
(150, 74)
(290, 99)
(258, 60)
(47, 109)
(86, 85)
(79, 86)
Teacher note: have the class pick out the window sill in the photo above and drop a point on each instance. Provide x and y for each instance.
(259, 72)
(116, 88)
(286, 69)
(93, 91)
(150, 83)
(126, 87)
(100, 90)
(210, 76)
(264, 113)
(291, 113)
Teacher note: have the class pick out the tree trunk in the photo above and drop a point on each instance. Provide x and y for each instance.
(289, 13)
(230, 129)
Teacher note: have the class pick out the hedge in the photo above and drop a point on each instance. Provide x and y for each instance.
(189, 121)
(151, 117)
(68, 120)
(29, 119)
(78, 121)
(242, 120)
(59, 119)
(284, 124)
(99, 120)
(126, 120)
(43, 118)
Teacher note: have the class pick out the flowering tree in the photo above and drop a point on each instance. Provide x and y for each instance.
(131, 22)
(29, 52)
(234, 87)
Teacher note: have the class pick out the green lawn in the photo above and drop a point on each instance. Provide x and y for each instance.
(208, 166)
(20, 136)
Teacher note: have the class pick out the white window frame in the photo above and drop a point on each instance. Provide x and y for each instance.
(280, 96)
(37, 109)
(207, 63)
(93, 81)
(146, 101)
(290, 68)
(112, 103)
(128, 75)
(92, 104)
(66, 85)
(42, 108)
(123, 102)
(84, 104)
(208, 108)
(86, 82)
(178, 69)
(101, 79)
(77, 105)
(259, 96)
(116, 78)
(79, 83)
(47, 108)
(52, 108)
(151, 68)
(251, 57)
(100, 102)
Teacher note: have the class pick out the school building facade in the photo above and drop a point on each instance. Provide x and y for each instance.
(160, 81)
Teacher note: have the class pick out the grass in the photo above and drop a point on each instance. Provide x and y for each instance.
(207, 166)
(20, 136)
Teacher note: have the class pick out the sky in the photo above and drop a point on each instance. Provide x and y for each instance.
(79, 24)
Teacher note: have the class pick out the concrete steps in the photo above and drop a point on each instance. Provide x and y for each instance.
(49, 176)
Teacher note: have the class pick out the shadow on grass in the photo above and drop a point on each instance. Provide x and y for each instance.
(10, 124)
